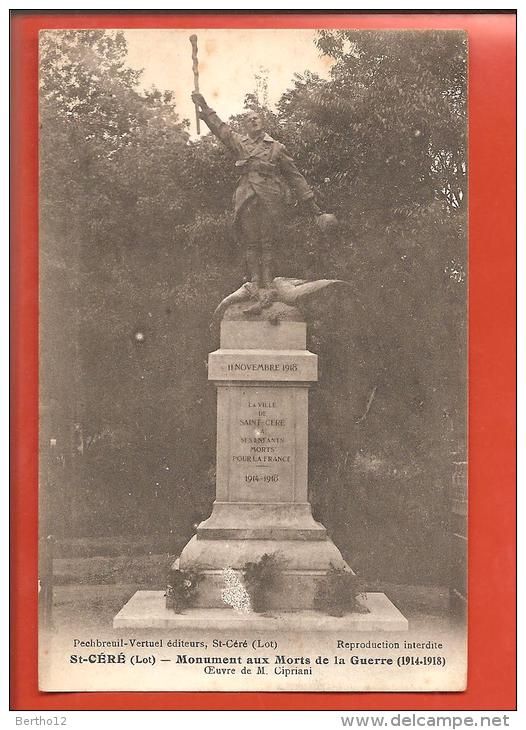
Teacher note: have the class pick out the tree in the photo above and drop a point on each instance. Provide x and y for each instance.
(384, 142)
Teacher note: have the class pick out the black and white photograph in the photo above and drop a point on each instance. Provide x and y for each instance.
(253, 360)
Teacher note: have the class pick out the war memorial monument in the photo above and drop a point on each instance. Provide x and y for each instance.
(263, 373)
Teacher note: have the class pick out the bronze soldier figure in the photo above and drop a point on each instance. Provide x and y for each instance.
(266, 170)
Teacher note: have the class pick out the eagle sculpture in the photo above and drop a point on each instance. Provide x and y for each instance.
(289, 291)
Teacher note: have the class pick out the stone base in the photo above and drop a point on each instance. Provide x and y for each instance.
(305, 562)
(261, 521)
(147, 610)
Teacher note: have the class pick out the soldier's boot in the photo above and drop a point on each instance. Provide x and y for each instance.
(266, 268)
(267, 295)
(253, 268)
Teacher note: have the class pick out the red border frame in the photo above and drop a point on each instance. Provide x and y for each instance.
(492, 370)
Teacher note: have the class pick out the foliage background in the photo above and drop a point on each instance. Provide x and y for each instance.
(137, 250)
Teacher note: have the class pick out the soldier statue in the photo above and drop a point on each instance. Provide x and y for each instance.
(266, 171)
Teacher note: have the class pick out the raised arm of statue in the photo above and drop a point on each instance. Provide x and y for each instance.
(219, 128)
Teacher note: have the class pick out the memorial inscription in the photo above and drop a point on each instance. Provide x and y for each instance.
(263, 365)
(262, 445)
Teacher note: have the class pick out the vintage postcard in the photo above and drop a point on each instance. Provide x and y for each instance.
(253, 368)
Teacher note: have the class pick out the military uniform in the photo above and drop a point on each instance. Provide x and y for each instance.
(264, 166)
(267, 172)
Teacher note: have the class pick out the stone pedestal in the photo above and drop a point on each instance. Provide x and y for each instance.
(263, 372)
(147, 610)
